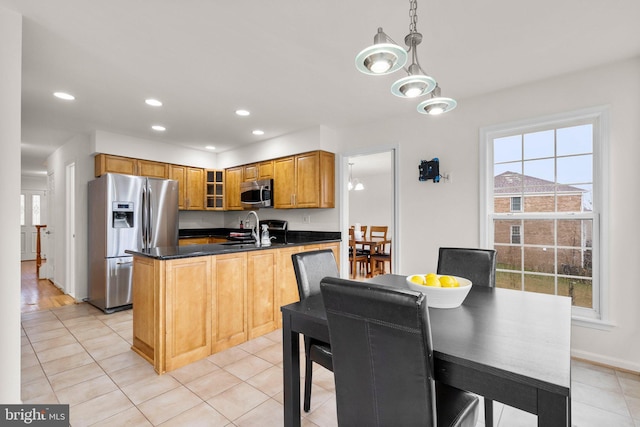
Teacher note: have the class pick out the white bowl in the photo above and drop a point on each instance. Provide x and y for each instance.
(438, 297)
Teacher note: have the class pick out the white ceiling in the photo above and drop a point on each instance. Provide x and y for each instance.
(290, 62)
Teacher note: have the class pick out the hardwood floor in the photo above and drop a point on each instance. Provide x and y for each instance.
(37, 294)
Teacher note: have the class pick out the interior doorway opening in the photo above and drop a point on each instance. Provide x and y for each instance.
(370, 199)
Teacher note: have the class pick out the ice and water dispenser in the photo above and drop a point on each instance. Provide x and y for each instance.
(122, 215)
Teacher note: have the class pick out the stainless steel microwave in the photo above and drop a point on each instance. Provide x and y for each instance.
(257, 194)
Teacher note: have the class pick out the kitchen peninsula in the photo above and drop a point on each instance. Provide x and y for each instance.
(192, 301)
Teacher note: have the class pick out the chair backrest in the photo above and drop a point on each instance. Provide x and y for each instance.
(477, 265)
(310, 267)
(378, 231)
(382, 354)
(363, 230)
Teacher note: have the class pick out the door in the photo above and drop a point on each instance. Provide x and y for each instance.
(163, 212)
(32, 213)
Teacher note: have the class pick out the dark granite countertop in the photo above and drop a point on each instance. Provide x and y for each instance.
(290, 238)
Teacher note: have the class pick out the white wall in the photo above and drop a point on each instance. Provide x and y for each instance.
(10, 107)
(317, 138)
(77, 150)
(33, 182)
(447, 214)
(138, 148)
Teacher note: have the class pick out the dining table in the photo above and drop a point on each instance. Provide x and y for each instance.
(372, 245)
(507, 345)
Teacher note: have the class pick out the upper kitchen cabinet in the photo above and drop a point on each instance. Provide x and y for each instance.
(190, 186)
(256, 171)
(215, 189)
(232, 180)
(152, 169)
(105, 163)
(265, 170)
(250, 172)
(305, 181)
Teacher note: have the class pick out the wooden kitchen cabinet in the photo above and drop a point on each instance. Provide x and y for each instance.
(152, 169)
(193, 241)
(190, 186)
(287, 286)
(186, 309)
(250, 172)
(229, 301)
(284, 185)
(188, 313)
(146, 274)
(232, 180)
(305, 181)
(265, 170)
(261, 296)
(107, 163)
(214, 190)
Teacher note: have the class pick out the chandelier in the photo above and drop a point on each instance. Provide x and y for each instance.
(385, 57)
(354, 184)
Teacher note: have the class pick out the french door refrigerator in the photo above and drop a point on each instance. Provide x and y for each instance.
(126, 212)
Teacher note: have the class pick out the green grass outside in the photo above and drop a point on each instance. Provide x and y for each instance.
(582, 289)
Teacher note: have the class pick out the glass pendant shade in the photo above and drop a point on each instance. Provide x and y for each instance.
(437, 105)
(382, 57)
(414, 85)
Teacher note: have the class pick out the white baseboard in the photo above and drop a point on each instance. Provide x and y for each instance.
(612, 362)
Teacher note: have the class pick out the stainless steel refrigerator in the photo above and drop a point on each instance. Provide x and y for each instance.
(126, 212)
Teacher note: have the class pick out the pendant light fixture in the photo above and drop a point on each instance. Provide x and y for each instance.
(436, 104)
(354, 184)
(385, 57)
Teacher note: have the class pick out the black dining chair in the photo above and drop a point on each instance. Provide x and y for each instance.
(310, 268)
(479, 266)
(383, 359)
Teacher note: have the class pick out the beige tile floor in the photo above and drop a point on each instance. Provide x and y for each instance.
(80, 356)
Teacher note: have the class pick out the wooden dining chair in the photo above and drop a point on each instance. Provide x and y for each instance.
(357, 256)
(479, 266)
(310, 268)
(382, 254)
(383, 360)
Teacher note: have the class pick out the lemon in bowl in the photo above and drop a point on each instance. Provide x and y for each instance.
(442, 291)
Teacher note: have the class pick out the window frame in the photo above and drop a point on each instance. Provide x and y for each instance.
(512, 235)
(519, 198)
(599, 118)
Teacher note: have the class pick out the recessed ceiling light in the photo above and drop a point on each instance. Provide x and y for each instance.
(258, 132)
(158, 128)
(64, 95)
(242, 112)
(210, 147)
(153, 102)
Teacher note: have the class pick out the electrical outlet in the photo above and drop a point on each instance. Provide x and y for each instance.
(306, 219)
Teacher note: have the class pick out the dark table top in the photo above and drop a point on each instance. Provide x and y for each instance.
(522, 336)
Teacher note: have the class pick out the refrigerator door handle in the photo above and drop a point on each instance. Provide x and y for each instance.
(149, 218)
(143, 206)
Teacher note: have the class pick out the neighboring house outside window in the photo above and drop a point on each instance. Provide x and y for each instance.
(543, 202)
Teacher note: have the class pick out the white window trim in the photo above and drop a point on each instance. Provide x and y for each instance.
(511, 204)
(598, 316)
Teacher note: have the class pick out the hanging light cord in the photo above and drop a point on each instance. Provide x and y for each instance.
(413, 16)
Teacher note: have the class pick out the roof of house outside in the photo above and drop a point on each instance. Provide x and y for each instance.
(507, 183)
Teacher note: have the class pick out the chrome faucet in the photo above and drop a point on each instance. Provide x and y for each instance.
(256, 230)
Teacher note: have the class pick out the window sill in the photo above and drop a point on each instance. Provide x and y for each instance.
(587, 322)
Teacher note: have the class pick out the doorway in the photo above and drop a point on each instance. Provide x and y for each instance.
(371, 199)
(33, 208)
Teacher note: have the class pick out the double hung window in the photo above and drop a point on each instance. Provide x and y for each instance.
(542, 205)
